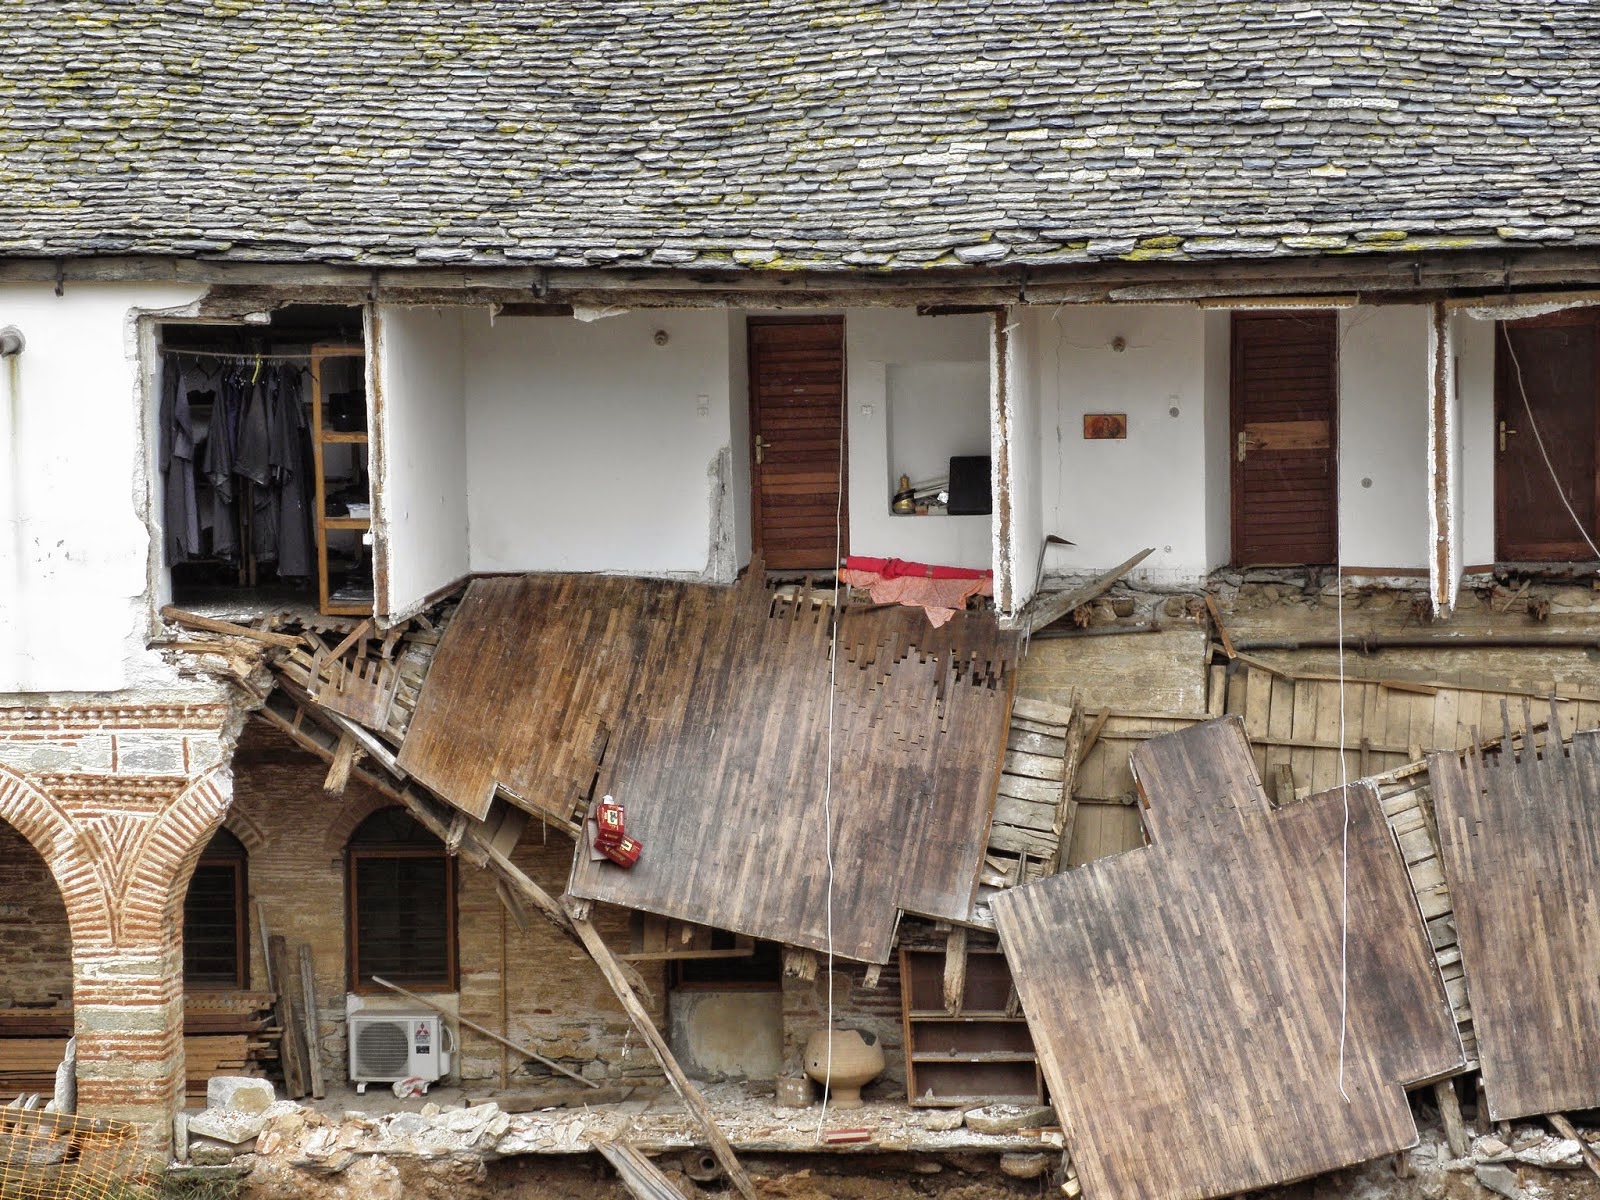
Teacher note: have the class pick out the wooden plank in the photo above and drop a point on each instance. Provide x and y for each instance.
(312, 1018)
(637, 1173)
(293, 1051)
(1033, 766)
(1217, 624)
(1217, 691)
(1044, 711)
(179, 616)
(1518, 836)
(1047, 609)
(1103, 830)
(720, 1147)
(920, 722)
(1134, 988)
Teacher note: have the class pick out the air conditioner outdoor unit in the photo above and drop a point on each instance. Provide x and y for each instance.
(386, 1046)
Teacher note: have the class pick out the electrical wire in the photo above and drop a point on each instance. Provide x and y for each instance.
(1538, 439)
(1344, 844)
(235, 355)
(827, 787)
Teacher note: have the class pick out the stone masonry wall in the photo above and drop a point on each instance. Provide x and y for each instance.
(557, 1002)
(35, 938)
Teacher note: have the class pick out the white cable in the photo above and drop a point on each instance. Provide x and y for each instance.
(1344, 845)
(1538, 440)
(827, 787)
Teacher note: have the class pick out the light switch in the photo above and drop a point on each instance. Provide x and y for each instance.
(702, 405)
(866, 410)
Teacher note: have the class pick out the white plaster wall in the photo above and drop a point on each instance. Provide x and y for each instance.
(1384, 399)
(935, 410)
(1218, 434)
(422, 492)
(78, 481)
(875, 340)
(586, 449)
(1474, 343)
(1113, 498)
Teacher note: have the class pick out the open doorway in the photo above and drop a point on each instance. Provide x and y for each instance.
(263, 443)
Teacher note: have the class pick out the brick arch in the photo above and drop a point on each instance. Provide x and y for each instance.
(45, 825)
(244, 827)
(356, 809)
(172, 847)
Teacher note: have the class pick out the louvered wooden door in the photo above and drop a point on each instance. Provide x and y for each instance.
(1285, 434)
(1555, 361)
(796, 430)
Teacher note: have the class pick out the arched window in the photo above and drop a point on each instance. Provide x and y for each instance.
(216, 926)
(401, 907)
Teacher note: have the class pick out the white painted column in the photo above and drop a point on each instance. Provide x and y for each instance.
(1444, 557)
(1014, 447)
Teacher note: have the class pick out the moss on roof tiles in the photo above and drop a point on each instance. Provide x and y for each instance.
(590, 126)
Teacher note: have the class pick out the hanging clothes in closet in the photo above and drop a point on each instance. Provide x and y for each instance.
(237, 455)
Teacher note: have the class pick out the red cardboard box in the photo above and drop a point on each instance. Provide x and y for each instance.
(609, 823)
(625, 853)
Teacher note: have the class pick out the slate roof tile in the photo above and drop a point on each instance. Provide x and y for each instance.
(771, 134)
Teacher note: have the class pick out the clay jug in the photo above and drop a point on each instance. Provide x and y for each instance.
(857, 1060)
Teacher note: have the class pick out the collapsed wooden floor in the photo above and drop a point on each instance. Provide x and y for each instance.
(1192, 993)
(1061, 775)
(718, 719)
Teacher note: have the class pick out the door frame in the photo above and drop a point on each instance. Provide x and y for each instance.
(757, 532)
(1505, 412)
(1236, 427)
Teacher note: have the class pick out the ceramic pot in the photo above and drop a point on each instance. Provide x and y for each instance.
(857, 1060)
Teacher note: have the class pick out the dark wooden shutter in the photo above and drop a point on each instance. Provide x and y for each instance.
(1285, 434)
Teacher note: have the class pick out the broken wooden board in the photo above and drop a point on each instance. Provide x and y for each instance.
(638, 1174)
(1407, 802)
(1188, 995)
(1521, 851)
(705, 711)
(1033, 807)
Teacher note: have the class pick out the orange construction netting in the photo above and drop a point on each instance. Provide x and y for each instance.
(56, 1156)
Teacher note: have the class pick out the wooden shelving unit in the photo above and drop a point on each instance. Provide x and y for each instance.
(982, 1052)
(321, 438)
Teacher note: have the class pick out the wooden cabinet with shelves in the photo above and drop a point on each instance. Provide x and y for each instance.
(344, 550)
(982, 1052)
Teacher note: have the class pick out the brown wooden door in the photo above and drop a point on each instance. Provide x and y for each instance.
(796, 439)
(1559, 361)
(1285, 434)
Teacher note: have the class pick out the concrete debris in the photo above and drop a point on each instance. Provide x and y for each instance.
(1551, 1152)
(226, 1125)
(1009, 1118)
(1500, 1178)
(240, 1093)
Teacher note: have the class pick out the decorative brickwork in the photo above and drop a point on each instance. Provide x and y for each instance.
(119, 801)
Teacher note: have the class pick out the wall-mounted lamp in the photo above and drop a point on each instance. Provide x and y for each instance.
(661, 337)
(1119, 343)
(11, 341)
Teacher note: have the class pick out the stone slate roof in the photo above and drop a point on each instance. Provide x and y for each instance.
(781, 134)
